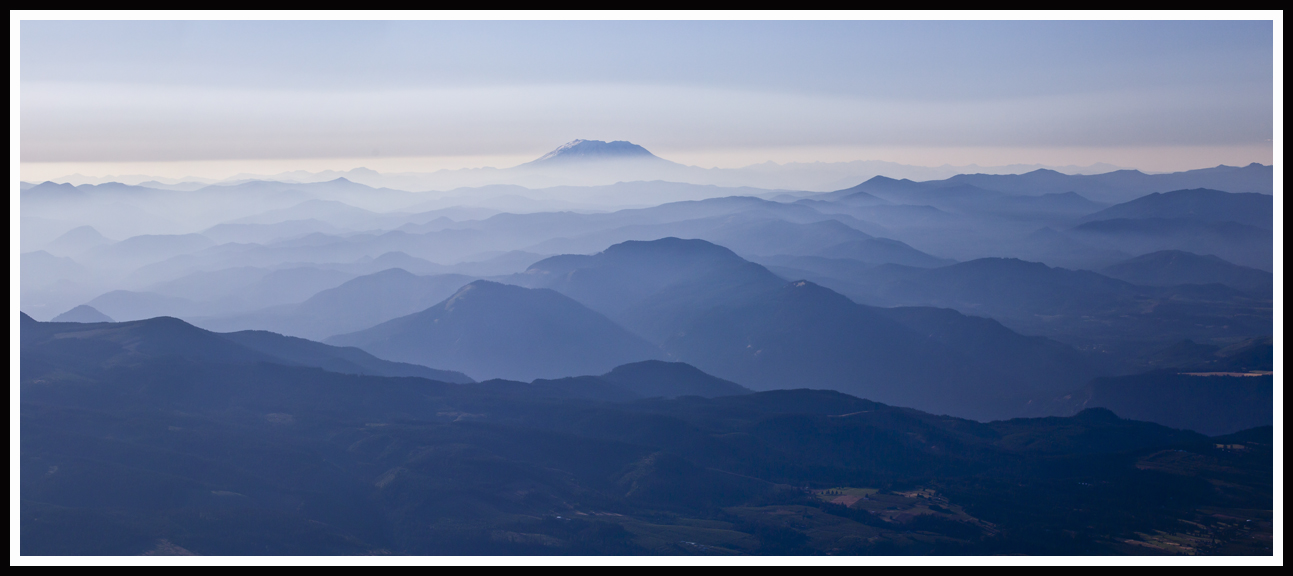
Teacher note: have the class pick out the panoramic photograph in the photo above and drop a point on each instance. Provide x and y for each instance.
(642, 291)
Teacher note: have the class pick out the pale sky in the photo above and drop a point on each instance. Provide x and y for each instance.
(181, 98)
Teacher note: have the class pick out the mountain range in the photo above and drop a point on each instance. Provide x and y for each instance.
(1115, 186)
(575, 164)
(359, 303)
(491, 330)
(605, 352)
(1174, 267)
(157, 437)
(793, 175)
(1079, 307)
(706, 306)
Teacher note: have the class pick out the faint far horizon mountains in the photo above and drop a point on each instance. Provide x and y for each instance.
(634, 163)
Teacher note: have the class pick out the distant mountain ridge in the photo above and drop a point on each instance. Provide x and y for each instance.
(735, 319)
(1172, 267)
(87, 348)
(1211, 405)
(357, 304)
(635, 381)
(1242, 244)
(491, 330)
(1199, 204)
(1117, 186)
(812, 176)
(83, 314)
(1074, 306)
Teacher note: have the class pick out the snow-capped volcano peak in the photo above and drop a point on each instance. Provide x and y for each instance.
(596, 150)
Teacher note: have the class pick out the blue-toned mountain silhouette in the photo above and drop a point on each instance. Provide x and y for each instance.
(83, 314)
(737, 320)
(492, 330)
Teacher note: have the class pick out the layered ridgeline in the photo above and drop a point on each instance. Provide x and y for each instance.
(1211, 403)
(1203, 387)
(646, 379)
(1175, 267)
(704, 305)
(1200, 204)
(71, 348)
(492, 330)
(1116, 186)
(1079, 307)
(158, 437)
(231, 290)
(1236, 227)
(244, 266)
(83, 314)
(1201, 273)
(234, 249)
(354, 305)
(971, 217)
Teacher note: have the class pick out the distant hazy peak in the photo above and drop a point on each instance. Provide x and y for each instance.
(596, 150)
(395, 272)
(885, 179)
(83, 314)
(672, 245)
(670, 252)
(82, 233)
(51, 184)
(485, 287)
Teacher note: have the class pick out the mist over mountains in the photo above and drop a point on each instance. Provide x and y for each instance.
(673, 357)
(495, 330)
(596, 163)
